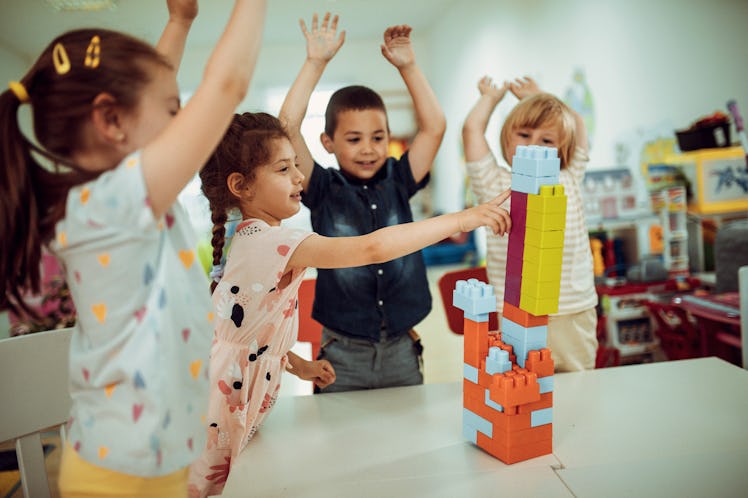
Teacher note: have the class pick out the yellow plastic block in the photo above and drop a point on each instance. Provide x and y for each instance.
(542, 290)
(545, 221)
(538, 306)
(543, 256)
(534, 272)
(546, 203)
(545, 239)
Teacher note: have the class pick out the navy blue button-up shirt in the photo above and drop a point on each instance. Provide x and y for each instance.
(358, 301)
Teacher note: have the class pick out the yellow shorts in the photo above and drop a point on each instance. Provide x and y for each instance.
(79, 478)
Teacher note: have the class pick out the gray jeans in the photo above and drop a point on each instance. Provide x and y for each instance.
(362, 364)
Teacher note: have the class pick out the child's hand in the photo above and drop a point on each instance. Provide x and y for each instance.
(182, 10)
(322, 43)
(487, 87)
(489, 214)
(319, 371)
(397, 47)
(323, 373)
(524, 87)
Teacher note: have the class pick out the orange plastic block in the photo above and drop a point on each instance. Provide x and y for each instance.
(516, 387)
(523, 437)
(475, 341)
(540, 362)
(522, 317)
(546, 401)
(517, 453)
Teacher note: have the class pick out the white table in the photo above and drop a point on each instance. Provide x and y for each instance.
(675, 428)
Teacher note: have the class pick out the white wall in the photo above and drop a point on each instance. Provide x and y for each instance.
(647, 63)
(12, 65)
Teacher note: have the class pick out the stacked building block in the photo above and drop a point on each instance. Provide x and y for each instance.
(508, 375)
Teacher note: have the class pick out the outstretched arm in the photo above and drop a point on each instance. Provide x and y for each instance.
(322, 43)
(174, 37)
(179, 151)
(395, 241)
(398, 50)
(474, 130)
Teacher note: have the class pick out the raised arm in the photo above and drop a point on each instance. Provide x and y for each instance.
(398, 50)
(174, 37)
(474, 130)
(322, 43)
(395, 241)
(173, 158)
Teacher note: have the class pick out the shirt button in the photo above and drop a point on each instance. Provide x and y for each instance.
(380, 271)
(373, 206)
(366, 188)
(381, 303)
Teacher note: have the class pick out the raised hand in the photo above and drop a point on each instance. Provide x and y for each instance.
(182, 10)
(490, 215)
(486, 86)
(322, 42)
(524, 87)
(397, 48)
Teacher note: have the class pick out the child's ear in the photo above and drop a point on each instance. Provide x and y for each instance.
(107, 118)
(236, 184)
(327, 143)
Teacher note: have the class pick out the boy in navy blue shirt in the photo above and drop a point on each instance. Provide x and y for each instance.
(367, 313)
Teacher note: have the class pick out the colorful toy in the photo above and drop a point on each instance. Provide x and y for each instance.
(508, 375)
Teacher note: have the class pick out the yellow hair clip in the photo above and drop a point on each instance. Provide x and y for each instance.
(60, 59)
(93, 53)
(19, 91)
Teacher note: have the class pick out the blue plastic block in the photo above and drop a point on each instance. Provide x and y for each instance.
(523, 339)
(469, 433)
(491, 403)
(474, 297)
(478, 318)
(497, 361)
(546, 384)
(535, 160)
(541, 417)
(531, 184)
(470, 373)
(477, 422)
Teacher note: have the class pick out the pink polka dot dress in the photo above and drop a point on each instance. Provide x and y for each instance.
(256, 324)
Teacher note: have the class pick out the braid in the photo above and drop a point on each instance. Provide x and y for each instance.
(218, 217)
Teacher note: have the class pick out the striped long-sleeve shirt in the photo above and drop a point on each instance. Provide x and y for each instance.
(488, 179)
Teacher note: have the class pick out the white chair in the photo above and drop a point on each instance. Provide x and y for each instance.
(34, 394)
(743, 286)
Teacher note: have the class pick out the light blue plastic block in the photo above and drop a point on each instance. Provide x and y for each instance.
(546, 384)
(469, 433)
(476, 318)
(491, 403)
(541, 417)
(470, 373)
(523, 339)
(536, 160)
(477, 422)
(497, 361)
(531, 184)
(474, 297)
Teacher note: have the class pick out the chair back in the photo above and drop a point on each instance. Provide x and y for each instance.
(447, 282)
(310, 330)
(34, 389)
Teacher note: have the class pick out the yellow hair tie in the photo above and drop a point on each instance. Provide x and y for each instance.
(19, 91)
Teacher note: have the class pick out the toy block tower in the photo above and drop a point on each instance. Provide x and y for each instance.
(508, 376)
